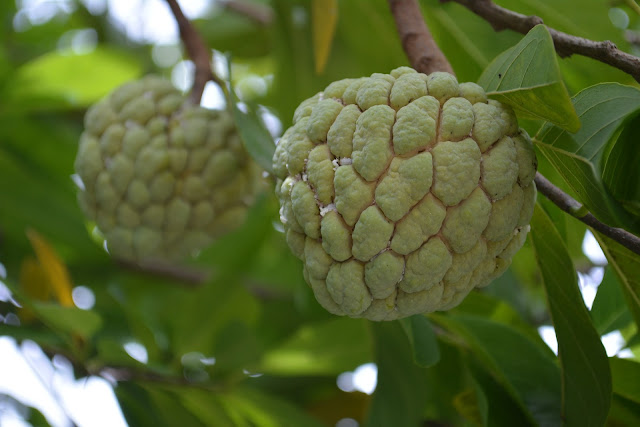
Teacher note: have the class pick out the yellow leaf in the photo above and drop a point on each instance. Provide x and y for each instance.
(53, 267)
(324, 14)
(33, 280)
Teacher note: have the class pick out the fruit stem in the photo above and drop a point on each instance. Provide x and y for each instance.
(198, 51)
(418, 43)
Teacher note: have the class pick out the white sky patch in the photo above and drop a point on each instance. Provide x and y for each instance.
(588, 288)
(137, 351)
(21, 381)
(365, 378)
(212, 97)
(592, 250)
(182, 75)
(613, 342)
(548, 335)
(83, 297)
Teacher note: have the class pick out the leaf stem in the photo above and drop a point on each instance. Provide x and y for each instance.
(418, 43)
(566, 44)
(576, 210)
(198, 51)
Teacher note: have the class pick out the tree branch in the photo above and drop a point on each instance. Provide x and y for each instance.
(198, 51)
(423, 52)
(576, 210)
(566, 44)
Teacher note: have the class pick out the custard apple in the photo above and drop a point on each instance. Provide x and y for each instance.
(402, 192)
(161, 177)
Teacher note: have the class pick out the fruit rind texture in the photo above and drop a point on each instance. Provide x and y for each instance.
(161, 178)
(402, 192)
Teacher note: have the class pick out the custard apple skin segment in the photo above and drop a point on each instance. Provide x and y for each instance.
(402, 192)
(161, 178)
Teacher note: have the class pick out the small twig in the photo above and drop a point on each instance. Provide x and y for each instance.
(566, 44)
(187, 276)
(423, 52)
(259, 13)
(198, 51)
(575, 209)
(121, 374)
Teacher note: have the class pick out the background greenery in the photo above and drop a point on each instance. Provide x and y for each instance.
(277, 352)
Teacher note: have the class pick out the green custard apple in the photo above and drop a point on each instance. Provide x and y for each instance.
(402, 192)
(161, 178)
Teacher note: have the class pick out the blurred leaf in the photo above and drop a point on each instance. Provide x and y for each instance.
(249, 406)
(626, 265)
(527, 372)
(472, 405)
(69, 320)
(327, 348)
(58, 80)
(422, 339)
(324, 14)
(135, 403)
(586, 379)
(42, 336)
(229, 31)
(203, 404)
(34, 280)
(604, 110)
(623, 412)
(257, 139)
(54, 268)
(203, 312)
(625, 375)
(398, 399)
(609, 311)
(527, 77)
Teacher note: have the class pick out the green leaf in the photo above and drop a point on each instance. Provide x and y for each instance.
(527, 77)
(59, 80)
(609, 311)
(586, 379)
(229, 31)
(398, 399)
(324, 14)
(625, 375)
(68, 319)
(253, 407)
(626, 265)
(257, 139)
(327, 348)
(527, 372)
(580, 157)
(422, 339)
(621, 173)
(472, 405)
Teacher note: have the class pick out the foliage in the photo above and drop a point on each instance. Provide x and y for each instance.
(250, 346)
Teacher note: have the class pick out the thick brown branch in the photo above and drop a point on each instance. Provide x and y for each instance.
(566, 44)
(198, 51)
(423, 52)
(574, 208)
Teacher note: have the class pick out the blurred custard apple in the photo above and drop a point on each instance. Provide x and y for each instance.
(162, 178)
(402, 192)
